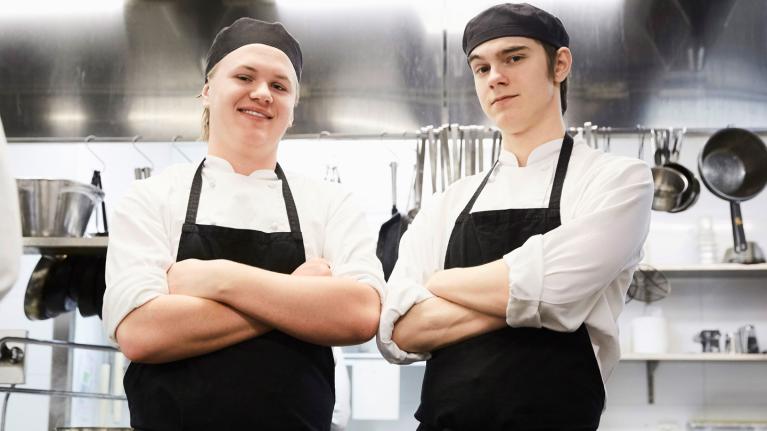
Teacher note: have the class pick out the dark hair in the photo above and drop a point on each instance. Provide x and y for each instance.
(551, 61)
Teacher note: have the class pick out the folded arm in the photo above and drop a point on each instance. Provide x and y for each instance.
(436, 323)
(174, 327)
(554, 279)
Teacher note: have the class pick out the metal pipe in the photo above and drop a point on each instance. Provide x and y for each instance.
(57, 343)
(613, 131)
(64, 394)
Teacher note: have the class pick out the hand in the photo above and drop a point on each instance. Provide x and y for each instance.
(396, 305)
(200, 278)
(316, 266)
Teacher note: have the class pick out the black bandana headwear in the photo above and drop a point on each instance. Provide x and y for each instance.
(246, 31)
(510, 19)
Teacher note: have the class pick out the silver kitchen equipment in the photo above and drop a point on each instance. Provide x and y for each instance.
(648, 285)
(669, 183)
(56, 208)
(747, 339)
(733, 166)
(709, 340)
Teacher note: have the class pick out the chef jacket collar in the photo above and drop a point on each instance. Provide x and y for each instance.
(540, 154)
(217, 164)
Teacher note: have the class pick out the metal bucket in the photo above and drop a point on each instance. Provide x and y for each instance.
(56, 208)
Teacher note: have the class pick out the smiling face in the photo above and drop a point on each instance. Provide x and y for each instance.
(514, 84)
(250, 97)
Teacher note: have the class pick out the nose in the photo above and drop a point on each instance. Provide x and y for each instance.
(497, 77)
(260, 92)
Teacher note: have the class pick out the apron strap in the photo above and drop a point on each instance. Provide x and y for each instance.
(194, 195)
(556, 189)
(290, 204)
(559, 176)
(467, 208)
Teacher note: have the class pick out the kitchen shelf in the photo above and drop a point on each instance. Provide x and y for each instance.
(695, 357)
(717, 270)
(53, 246)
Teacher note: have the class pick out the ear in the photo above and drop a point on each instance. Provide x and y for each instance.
(204, 95)
(564, 64)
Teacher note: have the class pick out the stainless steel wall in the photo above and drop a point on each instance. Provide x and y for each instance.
(134, 67)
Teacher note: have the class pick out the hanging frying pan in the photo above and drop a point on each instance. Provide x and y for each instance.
(733, 166)
(387, 248)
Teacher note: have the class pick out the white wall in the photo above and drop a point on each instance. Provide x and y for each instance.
(683, 391)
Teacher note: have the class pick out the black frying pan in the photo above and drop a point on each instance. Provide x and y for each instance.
(733, 166)
(391, 231)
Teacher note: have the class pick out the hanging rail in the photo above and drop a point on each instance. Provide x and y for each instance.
(12, 355)
(602, 130)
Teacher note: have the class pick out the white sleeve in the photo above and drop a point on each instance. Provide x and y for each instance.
(556, 278)
(419, 258)
(342, 408)
(10, 223)
(138, 255)
(349, 245)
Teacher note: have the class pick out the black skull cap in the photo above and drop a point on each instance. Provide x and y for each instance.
(514, 19)
(246, 31)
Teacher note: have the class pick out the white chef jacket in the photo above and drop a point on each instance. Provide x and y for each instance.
(10, 223)
(146, 226)
(576, 273)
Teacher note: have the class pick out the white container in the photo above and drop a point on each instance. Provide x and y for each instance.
(649, 334)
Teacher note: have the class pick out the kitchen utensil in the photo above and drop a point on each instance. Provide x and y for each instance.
(444, 146)
(753, 254)
(731, 343)
(648, 285)
(747, 339)
(433, 155)
(480, 150)
(733, 166)
(418, 178)
(496, 149)
(141, 173)
(455, 152)
(669, 184)
(96, 182)
(470, 143)
(44, 297)
(56, 208)
(391, 231)
(709, 340)
(691, 193)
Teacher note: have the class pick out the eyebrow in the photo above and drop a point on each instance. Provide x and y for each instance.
(505, 51)
(254, 70)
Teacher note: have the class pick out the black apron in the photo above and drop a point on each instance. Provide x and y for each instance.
(271, 382)
(512, 378)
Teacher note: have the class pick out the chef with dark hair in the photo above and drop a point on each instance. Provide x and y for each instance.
(510, 283)
(228, 280)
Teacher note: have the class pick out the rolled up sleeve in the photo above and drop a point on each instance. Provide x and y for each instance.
(138, 256)
(350, 246)
(556, 278)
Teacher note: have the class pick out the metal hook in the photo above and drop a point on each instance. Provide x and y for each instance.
(135, 139)
(175, 147)
(91, 138)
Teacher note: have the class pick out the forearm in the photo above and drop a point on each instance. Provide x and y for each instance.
(436, 323)
(322, 310)
(483, 288)
(174, 327)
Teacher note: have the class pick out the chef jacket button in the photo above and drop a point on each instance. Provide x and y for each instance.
(212, 184)
(272, 185)
(275, 227)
